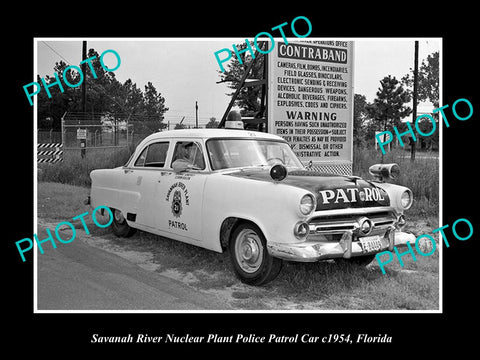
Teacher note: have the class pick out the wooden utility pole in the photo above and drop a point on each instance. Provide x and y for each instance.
(414, 112)
(83, 142)
(196, 115)
(84, 72)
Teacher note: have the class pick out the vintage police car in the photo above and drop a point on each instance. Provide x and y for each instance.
(247, 192)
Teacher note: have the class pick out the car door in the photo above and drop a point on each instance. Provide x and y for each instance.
(181, 195)
(141, 180)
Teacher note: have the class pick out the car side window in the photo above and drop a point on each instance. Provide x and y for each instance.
(141, 159)
(153, 155)
(190, 153)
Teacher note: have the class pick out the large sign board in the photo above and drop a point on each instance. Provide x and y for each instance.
(311, 101)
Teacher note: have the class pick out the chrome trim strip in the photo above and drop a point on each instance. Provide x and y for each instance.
(352, 211)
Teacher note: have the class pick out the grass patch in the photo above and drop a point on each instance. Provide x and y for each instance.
(75, 170)
(346, 286)
(61, 201)
(421, 176)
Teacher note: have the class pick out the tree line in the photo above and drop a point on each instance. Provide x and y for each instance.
(389, 107)
(105, 96)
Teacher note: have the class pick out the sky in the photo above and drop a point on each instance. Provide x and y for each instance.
(185, 71)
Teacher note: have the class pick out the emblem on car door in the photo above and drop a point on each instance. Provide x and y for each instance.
(177, 203)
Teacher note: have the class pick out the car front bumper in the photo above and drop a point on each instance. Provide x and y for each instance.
(347, 247)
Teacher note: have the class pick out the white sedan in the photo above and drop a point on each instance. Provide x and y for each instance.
(248, 193)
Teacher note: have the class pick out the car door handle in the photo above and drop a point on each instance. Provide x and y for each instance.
(126, 171)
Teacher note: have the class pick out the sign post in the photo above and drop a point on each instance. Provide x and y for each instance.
(310, 101)
(82, 136)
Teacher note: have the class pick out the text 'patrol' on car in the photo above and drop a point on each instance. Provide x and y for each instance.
(247, 192)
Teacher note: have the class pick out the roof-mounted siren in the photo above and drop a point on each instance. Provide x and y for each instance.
(234, 121)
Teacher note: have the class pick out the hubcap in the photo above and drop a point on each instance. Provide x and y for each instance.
(249, 251)
(118, 216)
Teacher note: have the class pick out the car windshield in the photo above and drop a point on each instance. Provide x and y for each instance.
(234, 153)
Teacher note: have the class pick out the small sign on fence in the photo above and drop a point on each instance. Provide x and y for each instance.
(81, 134)
(50, 152)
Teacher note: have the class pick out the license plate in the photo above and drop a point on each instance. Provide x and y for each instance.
(370, 243)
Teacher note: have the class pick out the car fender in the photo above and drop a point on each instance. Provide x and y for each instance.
(107, 189)
(272, 206)
(394, 192)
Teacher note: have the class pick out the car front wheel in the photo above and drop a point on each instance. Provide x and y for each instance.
(251, 260)
(120, 226)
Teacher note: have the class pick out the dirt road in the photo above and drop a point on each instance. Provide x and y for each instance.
(80, 276)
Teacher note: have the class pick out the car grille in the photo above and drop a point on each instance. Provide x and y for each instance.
(336, 224)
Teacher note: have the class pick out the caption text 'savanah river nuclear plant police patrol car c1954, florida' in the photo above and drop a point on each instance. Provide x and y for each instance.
(247, 192)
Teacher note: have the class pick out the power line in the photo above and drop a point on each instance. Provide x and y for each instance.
(56, 52)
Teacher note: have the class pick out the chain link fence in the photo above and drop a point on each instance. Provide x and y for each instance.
(94, 130)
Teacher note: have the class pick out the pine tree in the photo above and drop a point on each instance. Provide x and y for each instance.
(249, 97)
(388, 108)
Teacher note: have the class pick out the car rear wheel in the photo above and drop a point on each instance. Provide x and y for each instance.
(251, 261)
(120, 226)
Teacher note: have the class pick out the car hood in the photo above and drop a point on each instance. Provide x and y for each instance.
(332, 191)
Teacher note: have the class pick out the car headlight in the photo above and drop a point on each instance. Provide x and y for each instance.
(307, 204)
(406, 199)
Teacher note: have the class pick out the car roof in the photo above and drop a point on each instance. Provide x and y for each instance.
(203, 134)
(210, 133)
